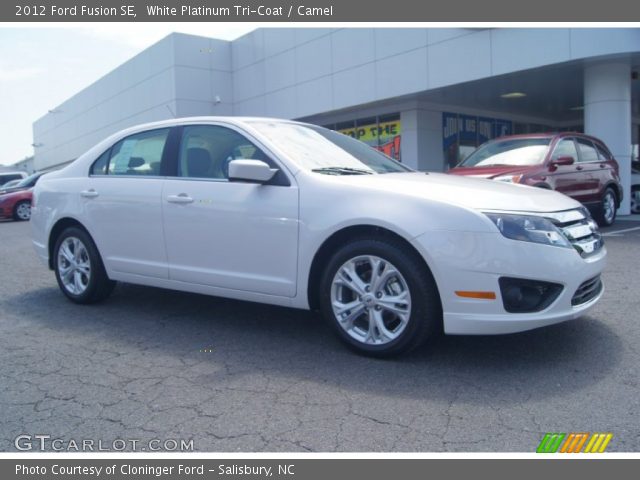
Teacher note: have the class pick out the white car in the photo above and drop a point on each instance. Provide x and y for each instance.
(286, 213)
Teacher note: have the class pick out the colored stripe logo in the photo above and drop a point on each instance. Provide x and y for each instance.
(574, 442)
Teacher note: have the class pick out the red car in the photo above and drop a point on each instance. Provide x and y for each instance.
(575, 164)
(15, 202)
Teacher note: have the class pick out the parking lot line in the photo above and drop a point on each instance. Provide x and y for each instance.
(617, 232)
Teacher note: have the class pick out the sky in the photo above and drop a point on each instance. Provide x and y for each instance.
(41, 67)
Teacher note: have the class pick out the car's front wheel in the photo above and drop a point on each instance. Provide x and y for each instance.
(79, 269)
(380, 297)
(22, 211)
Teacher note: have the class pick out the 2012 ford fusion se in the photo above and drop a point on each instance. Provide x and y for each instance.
(291, 214)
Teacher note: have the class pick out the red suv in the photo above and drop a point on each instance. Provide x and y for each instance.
(575, 164)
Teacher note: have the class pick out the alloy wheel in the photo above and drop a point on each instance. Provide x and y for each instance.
(23, 211)
(371, 300)
(609, 207)
(74, 265)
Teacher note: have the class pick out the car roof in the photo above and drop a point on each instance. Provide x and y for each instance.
(205, 119)
(97, 149)
(549, 135)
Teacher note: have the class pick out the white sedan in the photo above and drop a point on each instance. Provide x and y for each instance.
(286, 213)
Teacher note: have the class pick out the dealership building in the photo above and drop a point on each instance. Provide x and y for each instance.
(426, 96)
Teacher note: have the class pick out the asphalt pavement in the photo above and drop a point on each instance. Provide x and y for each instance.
(237, 376)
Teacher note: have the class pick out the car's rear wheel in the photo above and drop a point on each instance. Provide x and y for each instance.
(635, 199)
(79, 269)
(607, 212)
(22, 211)
(380, 297)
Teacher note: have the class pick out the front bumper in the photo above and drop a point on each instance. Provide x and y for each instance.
(467, 261)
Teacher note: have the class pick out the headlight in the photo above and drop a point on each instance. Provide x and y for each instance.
(529, 228)
(509, 178)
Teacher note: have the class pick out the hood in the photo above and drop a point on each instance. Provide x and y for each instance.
(474, 193)
(490, 172)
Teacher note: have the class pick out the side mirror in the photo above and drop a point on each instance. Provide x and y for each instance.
(255, 171)
(563, 160)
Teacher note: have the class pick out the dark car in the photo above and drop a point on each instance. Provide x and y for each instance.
(24, 184)
(6, 177)
(578, 165)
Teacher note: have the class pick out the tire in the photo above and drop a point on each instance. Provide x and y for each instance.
(79, 269)
(606, 214)
(22, 211)
(415, 316)
(635, 199)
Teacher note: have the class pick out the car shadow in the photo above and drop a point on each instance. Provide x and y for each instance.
(298, 345)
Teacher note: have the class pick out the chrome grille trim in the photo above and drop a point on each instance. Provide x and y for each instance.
(567, 216)
(581, 230)
(587, 291)
(577, 231)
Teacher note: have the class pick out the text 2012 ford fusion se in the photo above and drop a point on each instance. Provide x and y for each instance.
(286, 213)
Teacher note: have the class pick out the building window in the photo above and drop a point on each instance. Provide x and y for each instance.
(382, 133)
(462, 134)
(524, 128)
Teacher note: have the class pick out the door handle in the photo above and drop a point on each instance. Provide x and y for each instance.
(602, 165)
(182, 198)
(91, 193)
(579, 167)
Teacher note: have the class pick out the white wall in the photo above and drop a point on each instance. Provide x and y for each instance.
(303, 72)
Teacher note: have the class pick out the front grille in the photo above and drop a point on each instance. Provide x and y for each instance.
(587, 291)
(580, 229)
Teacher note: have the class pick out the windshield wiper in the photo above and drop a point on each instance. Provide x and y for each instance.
(342, 171)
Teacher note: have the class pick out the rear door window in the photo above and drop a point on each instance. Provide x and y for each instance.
(603, 153)
(138, 154)
(99, 167)
(588, 152)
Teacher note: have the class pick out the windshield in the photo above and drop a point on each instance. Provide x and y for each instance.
(29, 181)
(327, 152)
(514, 151)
